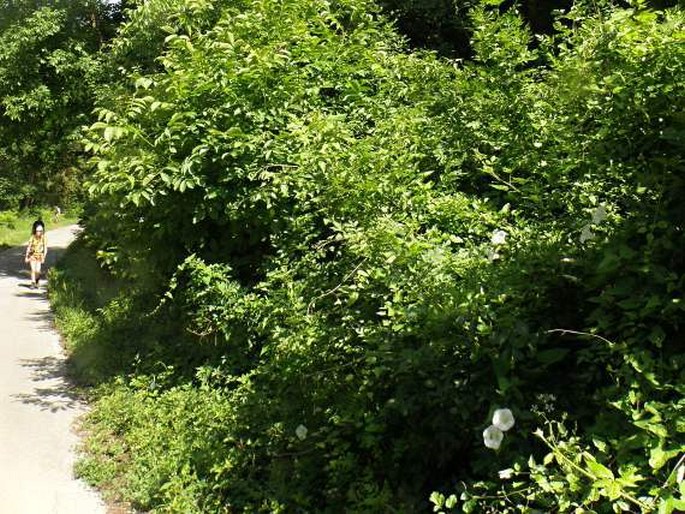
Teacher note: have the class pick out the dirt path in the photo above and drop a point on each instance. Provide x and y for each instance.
(37, 406)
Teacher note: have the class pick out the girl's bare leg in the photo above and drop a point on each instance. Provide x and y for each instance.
(35, 272)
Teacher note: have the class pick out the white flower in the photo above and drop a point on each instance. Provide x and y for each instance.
(503, 419)
(599, 215)
(586, 234)
(506, 474)
(301, 432)
(498, 237)
(492, 437)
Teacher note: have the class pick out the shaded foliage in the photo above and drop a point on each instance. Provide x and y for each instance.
(446, 27)
(341, 256)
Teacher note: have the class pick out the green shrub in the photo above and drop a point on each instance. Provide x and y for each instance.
(342, 258)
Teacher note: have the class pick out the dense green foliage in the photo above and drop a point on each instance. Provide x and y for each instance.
(49, 71)
(446, 25)
(331, 259)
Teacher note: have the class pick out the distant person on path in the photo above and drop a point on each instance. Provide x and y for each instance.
(36, 251)
(56, 214)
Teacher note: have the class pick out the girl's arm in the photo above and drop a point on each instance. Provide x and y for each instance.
(45, 246)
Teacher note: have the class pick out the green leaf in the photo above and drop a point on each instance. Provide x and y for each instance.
(438, 499)
(469, 506)
(143, 83)
(551, 356)
(658, 457)
(670, 504)
(597, 469)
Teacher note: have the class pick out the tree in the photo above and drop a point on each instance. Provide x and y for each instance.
(49, 68)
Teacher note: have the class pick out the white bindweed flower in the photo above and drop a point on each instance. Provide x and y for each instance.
(599, 215)
(503, 419)
(499, 237)
(506, 474)
(586, 234)
(492, 437)
(301, 432)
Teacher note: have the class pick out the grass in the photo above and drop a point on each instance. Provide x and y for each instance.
(79, 289)
(15, 227)
(141, 438)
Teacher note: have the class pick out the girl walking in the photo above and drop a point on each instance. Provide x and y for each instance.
(36, 251)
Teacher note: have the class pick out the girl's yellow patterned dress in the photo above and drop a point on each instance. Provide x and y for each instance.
(37, 248)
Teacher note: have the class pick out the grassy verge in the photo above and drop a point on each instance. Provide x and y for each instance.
(15, 227)
(143, 428)
(79, 289)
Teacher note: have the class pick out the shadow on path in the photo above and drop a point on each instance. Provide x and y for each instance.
(51, 387)
(52, 391)
(43, 321)
(12, 262)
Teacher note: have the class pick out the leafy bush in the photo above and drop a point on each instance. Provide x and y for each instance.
(342, 258)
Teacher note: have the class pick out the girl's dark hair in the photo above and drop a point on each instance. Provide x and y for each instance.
(36, 224)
